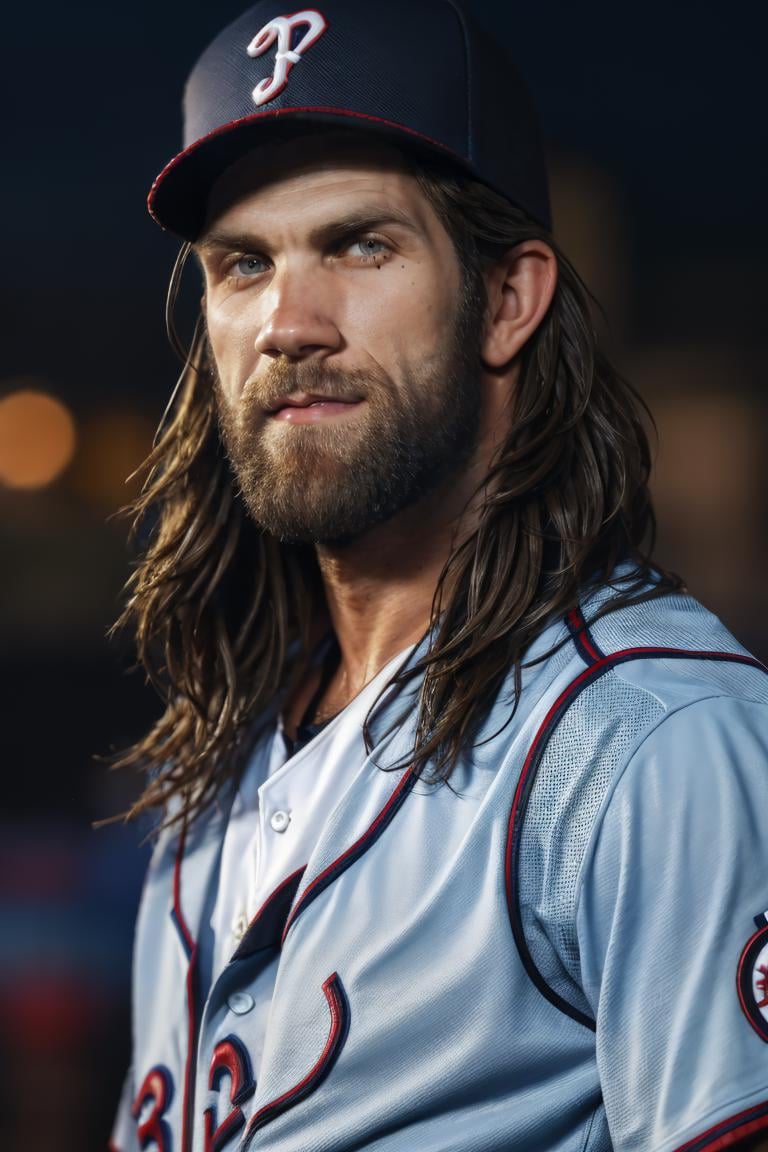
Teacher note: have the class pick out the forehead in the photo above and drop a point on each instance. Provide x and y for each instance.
(311, 173)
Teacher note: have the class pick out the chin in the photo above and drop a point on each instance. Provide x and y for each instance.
(338, 523)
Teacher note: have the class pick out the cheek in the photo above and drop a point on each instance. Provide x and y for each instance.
(231, 337)
(408, 313)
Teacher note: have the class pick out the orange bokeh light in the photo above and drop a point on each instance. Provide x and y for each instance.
(37, 439)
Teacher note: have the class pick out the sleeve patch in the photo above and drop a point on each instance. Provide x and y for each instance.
(752, 980)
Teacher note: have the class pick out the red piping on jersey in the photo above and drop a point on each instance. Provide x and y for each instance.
(186, 1133)
(274, 895)
(324, 878)
(183, 926)
(743, 1124)
(272, 905)
(604, 664)
(339, 1010)
(582, 637)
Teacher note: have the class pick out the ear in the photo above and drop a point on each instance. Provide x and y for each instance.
(520, 288)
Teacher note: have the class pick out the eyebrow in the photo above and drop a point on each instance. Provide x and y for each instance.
(361, 220)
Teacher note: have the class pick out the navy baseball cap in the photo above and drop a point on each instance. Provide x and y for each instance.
(420, 72)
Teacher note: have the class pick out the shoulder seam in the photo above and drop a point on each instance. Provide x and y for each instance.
(528, 773)
(633, 751)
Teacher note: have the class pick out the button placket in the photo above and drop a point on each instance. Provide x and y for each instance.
(239, 926)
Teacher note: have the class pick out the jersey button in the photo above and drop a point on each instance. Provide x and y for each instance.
(240, 926)
(240, 1003)
(279, 821)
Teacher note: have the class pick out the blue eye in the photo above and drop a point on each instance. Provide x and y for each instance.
(369, 246)
(248, 266)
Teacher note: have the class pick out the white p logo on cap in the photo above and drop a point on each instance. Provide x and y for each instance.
(281, 29)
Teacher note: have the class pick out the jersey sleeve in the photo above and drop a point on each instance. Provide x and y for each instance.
(124, 1138)
(671, 924)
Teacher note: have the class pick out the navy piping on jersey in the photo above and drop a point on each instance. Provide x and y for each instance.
(338, 1006)
(597, 666)
(356, 850)
(266, 928)
(582, 638)
(364, 842)
(729, 1132)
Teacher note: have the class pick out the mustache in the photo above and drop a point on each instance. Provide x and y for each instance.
(285, 379)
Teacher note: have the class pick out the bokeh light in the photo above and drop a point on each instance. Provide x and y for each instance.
(37, 439)
(113, 443)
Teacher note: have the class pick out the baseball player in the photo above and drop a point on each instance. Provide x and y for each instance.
(460, 797)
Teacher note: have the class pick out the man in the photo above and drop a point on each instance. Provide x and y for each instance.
(460, 796)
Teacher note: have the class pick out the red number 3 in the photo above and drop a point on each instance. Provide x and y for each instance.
(157, 1089)
(230, 1059)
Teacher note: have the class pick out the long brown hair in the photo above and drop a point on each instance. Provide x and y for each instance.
(222, 612)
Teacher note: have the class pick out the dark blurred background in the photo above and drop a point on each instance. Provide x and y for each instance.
(655, 118)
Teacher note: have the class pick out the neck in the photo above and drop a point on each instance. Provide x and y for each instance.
(380, 588)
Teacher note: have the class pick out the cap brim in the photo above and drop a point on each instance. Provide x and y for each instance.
(179, 196)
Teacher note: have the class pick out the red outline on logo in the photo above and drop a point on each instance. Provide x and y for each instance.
(302, 49)
(744, 977)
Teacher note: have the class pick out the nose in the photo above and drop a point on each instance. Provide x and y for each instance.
(298, 322)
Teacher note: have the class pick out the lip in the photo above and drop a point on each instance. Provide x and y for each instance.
(314, 410)
(305, 399)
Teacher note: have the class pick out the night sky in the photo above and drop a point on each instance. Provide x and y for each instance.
(670, 99)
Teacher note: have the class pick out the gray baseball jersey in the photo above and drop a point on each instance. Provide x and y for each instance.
(565, 951)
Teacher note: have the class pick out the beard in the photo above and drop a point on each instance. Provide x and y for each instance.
(328, 483)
